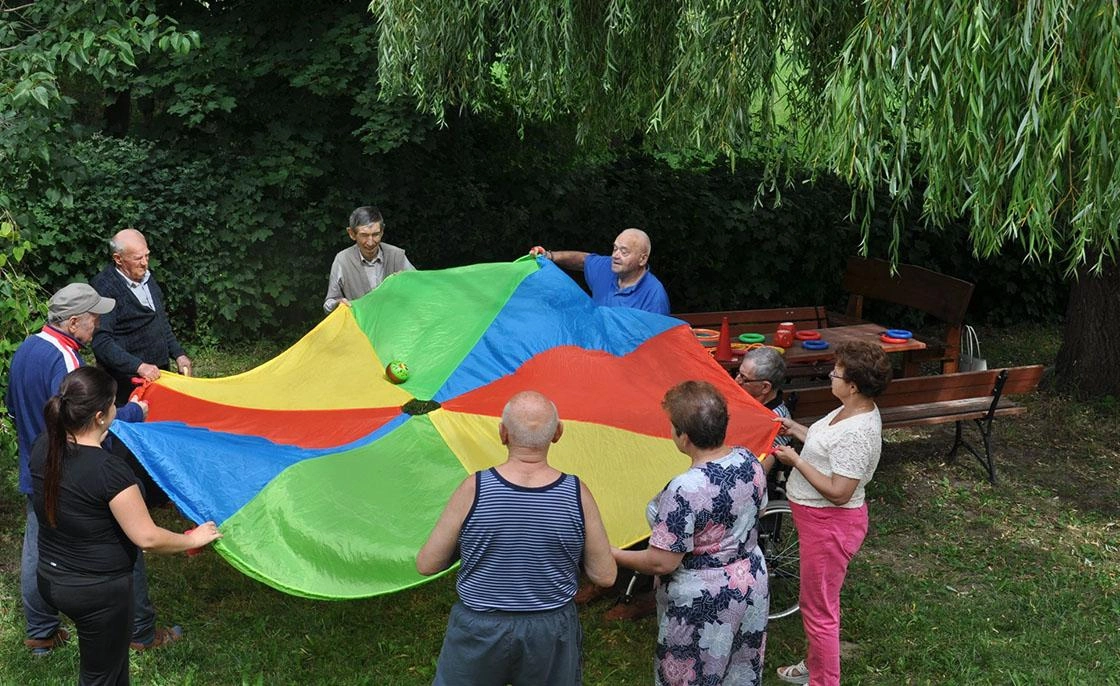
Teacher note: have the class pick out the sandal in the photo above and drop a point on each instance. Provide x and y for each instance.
(794, 674)
(44, 646)
(163, 636)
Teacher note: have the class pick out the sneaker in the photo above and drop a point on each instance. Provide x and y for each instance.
(794, 674)
(164, 635)
(43, 646)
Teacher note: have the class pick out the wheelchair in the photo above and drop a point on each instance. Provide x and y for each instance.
(777, 536)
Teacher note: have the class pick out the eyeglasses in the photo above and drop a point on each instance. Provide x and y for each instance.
(740, 379)
(834, 375)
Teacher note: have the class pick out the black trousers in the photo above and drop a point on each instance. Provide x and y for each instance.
(102, 612)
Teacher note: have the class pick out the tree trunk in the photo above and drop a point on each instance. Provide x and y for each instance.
(1088, 363)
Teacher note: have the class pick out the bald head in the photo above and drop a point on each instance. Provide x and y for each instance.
(630, 254)
(637, 238)
(530, 420)
(130, 253)
(127, 239)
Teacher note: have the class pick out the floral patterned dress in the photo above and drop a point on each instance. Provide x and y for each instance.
(712, 609)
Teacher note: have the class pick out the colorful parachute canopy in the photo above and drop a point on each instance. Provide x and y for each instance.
(324, 487)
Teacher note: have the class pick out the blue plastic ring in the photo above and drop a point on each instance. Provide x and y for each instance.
(899, 333)
(814, 345)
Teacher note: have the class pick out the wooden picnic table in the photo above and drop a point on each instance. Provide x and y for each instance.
(799, 359)
(835, 335)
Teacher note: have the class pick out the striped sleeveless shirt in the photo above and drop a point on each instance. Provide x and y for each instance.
(521, 547)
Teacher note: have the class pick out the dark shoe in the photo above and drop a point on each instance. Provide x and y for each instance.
(44, 646)
(588, 593)
(164, 635)
(641, 605)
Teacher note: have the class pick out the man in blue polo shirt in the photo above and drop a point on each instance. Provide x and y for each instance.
(621, 280)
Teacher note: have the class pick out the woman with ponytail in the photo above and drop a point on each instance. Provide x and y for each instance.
(93, 520)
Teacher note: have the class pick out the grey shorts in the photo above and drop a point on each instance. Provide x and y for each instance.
(519, 648)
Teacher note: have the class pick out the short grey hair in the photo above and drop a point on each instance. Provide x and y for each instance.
(530, 420)
(117, 245)
(57, 319)
(769, 365)
(365, 215)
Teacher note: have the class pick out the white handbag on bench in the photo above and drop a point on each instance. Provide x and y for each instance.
(971, 360)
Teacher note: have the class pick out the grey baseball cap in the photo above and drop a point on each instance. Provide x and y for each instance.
(77, 299)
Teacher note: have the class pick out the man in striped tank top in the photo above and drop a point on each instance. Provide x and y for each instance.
(521, 530)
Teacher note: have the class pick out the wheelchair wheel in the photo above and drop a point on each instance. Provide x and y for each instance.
(778, 539)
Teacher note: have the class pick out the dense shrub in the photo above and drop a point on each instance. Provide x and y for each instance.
(243, 245)
(236, 255)
(22, 307)
(476, 197)
(242, 157)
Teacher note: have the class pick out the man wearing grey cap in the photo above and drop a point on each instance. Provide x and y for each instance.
(38, 366)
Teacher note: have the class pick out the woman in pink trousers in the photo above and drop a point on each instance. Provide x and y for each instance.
(826, 494)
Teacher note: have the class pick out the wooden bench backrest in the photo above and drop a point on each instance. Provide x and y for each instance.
(944, 297)
(758, 321)
(819, 401)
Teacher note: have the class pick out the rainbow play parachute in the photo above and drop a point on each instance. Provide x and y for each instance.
(326, 478)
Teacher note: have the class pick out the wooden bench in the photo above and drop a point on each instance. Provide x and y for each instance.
(758, 321)
(979, 397)
(943, 297)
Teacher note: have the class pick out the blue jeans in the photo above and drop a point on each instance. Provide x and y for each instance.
(42, 617)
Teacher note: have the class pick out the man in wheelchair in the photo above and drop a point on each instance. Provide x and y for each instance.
(761, 375)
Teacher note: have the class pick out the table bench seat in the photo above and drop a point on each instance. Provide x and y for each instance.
(762, 321)
(977, 397)
(945, 412)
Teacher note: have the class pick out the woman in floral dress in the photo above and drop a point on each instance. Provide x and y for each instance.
(714, 594)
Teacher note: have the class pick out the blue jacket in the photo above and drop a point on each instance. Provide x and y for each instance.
(38, 366)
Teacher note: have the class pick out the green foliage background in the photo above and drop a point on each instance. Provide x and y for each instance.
(241, 261)
(239, 136)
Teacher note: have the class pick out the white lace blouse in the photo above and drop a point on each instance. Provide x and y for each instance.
(850, 447)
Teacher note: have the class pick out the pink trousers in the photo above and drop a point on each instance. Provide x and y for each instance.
(830, 537)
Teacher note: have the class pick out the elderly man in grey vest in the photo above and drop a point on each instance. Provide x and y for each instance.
(362, 267)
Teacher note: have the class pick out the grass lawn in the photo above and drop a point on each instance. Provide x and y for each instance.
(959, 582)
